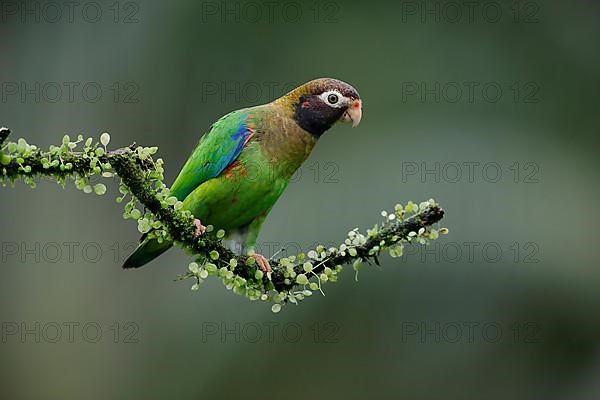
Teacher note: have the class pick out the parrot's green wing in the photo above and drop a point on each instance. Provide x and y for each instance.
(215, 151)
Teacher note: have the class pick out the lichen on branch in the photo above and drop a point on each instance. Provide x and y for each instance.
(292, 279)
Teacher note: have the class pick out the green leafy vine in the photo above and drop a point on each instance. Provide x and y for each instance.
(148, 201)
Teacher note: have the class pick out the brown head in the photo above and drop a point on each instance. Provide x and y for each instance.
(320, 103)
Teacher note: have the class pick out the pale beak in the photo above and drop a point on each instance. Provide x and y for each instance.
(353, 113)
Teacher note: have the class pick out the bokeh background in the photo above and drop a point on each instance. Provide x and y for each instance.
(516, 317)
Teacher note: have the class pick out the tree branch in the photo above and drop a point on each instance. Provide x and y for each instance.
(292, 278)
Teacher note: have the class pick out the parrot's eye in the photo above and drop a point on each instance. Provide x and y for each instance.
(333, 98)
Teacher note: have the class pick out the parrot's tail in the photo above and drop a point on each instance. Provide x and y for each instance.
(147, 251)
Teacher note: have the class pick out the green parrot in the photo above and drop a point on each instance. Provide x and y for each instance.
(243, 164)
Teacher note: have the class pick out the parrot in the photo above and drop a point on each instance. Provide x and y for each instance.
(243, 164)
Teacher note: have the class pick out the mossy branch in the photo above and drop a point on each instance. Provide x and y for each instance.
(292, 279)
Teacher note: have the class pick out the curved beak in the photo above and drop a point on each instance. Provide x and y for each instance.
(353, 114)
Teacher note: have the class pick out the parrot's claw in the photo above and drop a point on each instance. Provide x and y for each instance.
(262, 262)
(200, 229)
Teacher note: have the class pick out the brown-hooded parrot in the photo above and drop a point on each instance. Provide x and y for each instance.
(243, 164)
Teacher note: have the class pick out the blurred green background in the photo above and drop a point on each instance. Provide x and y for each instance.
(167, 70)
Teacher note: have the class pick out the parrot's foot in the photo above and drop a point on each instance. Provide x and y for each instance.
(200, 229)
(262, 262)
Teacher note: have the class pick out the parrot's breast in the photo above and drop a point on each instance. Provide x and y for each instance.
(246, 189)
(249, 187)
(283, 143)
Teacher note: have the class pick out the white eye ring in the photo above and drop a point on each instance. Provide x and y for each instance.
(333, 98)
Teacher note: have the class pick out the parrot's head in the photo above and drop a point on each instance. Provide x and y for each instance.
(320, 103)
